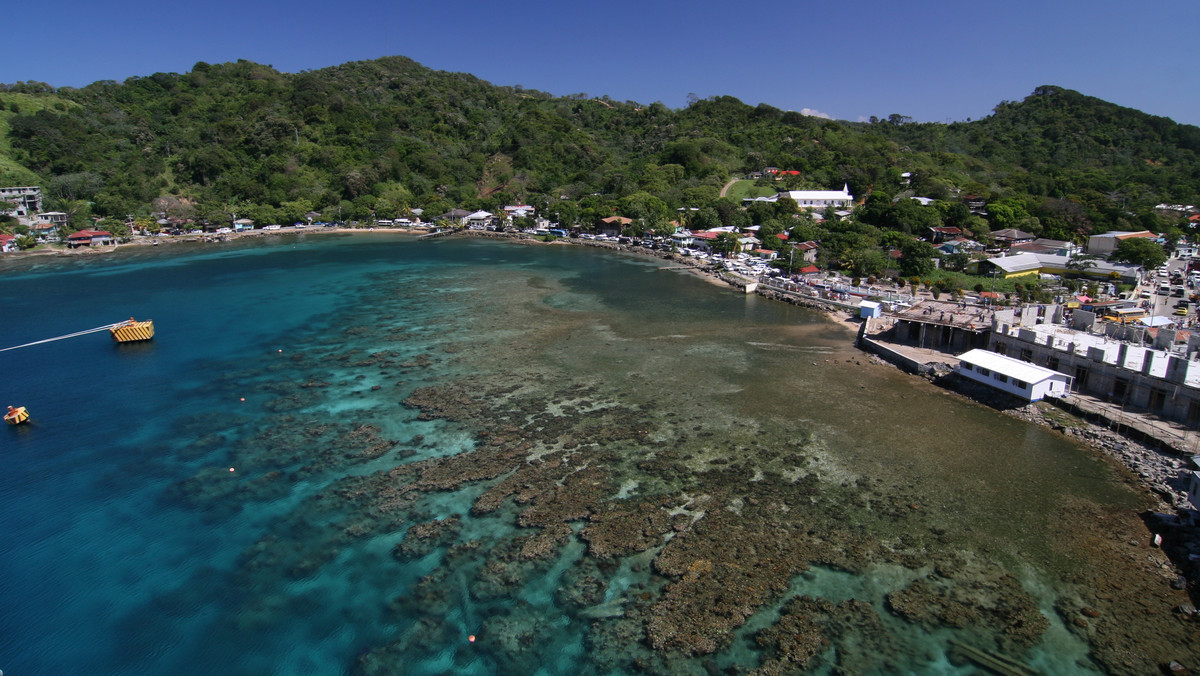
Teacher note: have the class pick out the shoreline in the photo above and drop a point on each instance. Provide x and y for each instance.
(1154, 468)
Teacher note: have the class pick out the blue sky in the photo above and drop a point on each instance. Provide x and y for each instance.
(933, 60)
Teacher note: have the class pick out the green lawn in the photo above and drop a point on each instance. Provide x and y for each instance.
(745, 188)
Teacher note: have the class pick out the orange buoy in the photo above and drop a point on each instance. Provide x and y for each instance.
(471, 638)
(16, 416)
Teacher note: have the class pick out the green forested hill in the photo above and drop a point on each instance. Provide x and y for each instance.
(1068, 156)
(13, 103)
(379, 137)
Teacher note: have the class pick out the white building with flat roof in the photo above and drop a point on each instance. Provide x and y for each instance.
(1029, 382)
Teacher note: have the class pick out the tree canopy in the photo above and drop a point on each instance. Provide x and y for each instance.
(1139, 251)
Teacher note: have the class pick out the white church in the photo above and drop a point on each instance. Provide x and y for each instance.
(814, 200)
(820, 199)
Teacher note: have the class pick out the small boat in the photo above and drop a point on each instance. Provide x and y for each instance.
(16, 416)
(132, 331)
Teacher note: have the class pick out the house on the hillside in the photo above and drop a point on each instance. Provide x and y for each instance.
(1106, 243)
(959, 245)
(21, 202)
(943, 233)
(1009, 236)
(7, 243)
(819, 200)
(976, 204)
(806, 251)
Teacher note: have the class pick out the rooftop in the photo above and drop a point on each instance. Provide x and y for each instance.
(958, 315)
(1013, 368)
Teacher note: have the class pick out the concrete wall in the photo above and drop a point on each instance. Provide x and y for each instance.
(939, 336)
(888, 354)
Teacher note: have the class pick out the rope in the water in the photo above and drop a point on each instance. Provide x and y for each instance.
(69, 335)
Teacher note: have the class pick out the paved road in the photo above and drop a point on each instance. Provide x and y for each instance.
(1163, 305)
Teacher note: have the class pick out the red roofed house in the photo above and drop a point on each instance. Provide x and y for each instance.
(941, 234)
(89, 238)
(7, 243)
(704, 239)
(809, 270)
(807, 251)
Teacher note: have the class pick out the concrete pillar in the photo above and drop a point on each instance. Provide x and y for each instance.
(1165, 339)
(1177, 369)
(1148, 362)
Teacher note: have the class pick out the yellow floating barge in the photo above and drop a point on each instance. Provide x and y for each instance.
(16, 416)
(132, 331)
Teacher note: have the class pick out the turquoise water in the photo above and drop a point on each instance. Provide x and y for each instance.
(209, 502)
(103, 570)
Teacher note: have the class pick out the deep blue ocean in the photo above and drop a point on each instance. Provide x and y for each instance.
(193, 504)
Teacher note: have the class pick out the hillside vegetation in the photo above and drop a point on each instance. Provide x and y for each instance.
(13, 103)
(377, 138)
